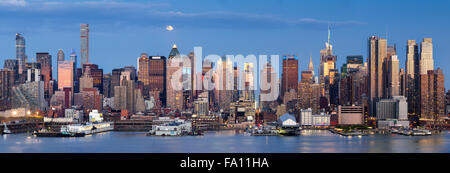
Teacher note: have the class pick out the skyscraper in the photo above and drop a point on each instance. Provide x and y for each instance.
(393, 77)
(65, 75)
(432, 96)
(6, 84)
(157, 73)
(86, 80)
(311, 66)
(45, 59)
(33, 72)
(84, 39)
(97, 74)
(249, 84)
(223, 79)
(412, 58)
(324, 53)
(412, 76)
(289, 78)
(174, 96)
(144, 72)
(107, 85)
(377, 57)
(20, 52)
(76, 83)
(60, 55)
(115, 79)
(426, 56)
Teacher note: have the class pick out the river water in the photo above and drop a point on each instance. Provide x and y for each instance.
(311, 141)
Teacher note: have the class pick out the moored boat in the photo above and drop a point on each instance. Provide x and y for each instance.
(6, 130)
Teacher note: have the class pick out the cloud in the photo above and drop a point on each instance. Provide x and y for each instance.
(111, 15)
(12, 3)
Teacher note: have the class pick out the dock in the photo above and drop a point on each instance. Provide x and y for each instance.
(133, 125)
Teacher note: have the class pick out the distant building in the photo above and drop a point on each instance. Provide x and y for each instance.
(377, 72)
(432, 96)
(6, 85)
(321, 120)
(60, 55)
(289, 76)
(392, 112)
(89, 99)
(86, 80)
(287, 120)
(33, 72)
(350, 115)
(174, 98)
(76, 115)
(127, 97)
(224, 92)
(306, 117)
(30, 96)
(201, 105)
(97, 76)
(157, 73)
(412, 77)
(107, 85)
(242, 110)
(115, 79)
(65, 74)
(20, 53)
(144, 72)
(309, 95)
(45, 59)
(426, 56)
(84, 40)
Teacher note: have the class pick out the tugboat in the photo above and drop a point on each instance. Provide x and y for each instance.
(6, 130)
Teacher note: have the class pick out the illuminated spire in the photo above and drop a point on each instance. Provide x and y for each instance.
(329, 35)
(174, 52)
(311, 66)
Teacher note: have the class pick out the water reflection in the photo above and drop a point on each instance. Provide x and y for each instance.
(229, 141)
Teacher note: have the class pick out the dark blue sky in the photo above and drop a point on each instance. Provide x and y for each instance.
(121, 30)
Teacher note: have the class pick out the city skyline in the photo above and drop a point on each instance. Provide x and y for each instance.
(349, 33)
(224, 76)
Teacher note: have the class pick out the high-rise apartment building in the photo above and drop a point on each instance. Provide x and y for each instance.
(432, 95)
(6, 84)
(84, 40)
(20, 53)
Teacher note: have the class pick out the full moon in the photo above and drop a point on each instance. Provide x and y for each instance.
(169, 28)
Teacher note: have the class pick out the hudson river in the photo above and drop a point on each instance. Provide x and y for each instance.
(311, 141)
